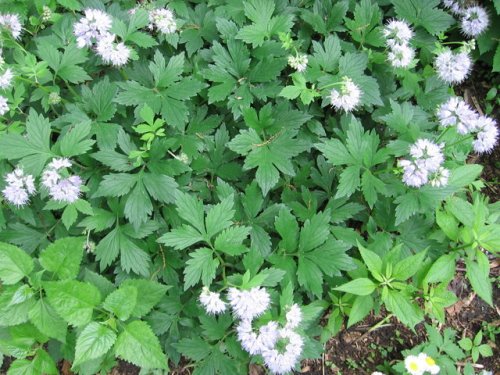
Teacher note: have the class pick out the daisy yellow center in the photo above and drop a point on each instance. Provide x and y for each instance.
(414, 366)
(430, 361)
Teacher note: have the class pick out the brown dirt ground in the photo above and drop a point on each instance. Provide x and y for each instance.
(356, 351)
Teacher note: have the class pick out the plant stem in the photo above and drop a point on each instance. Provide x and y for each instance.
(442, 134)
(470, 136)
(331, 85)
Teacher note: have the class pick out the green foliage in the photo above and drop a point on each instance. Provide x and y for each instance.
(209, 160)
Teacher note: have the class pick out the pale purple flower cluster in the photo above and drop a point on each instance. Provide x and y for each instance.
(474, 19)
(248, 304)
(93, 30)
(452, 67)
(398, 35)
(455, 112)
(19, 187)
(162, 19)
(348, 97)
(116, 54)
(12, 24)
(455, 6)
(425, 165)
(62, 189)
(6, 78)
(298, 62)
(4, 106)
(279, 346)
(212, 302)
(95, 25)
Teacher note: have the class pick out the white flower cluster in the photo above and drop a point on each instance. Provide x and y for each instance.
(455, 112)
(162, 19)
(5, 82)
(452, 67)
(46, 14)
(279, 346)
(6, 78)
(212, 302)
(4, 106)
(474, 21)
(474, 18)
(116, 54)
(248, 304)
(420, 364)
(298, 62)
(455, 6)
(349, 96)
(12, 24)
(61, 189)
(93, 29)
(19, 187)
(425, 165)
(398, 35)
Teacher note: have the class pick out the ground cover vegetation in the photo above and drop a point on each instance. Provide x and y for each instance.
(218, 185)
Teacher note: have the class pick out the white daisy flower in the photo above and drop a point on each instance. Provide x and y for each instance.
(453, 68)
(401, 56)
(298, 62)
(4, 106)
(349, 96)
(212, 302)
(429, 364)
(6, 78)
(397, 32)
(474, 21)
(414, 365)
(163, 19)
(12, 23)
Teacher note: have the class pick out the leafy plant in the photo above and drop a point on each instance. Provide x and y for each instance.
(475, 348)
(161, 159)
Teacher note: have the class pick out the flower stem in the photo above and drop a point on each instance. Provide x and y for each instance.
(470, 136)
(331, 85)
(442, 134)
